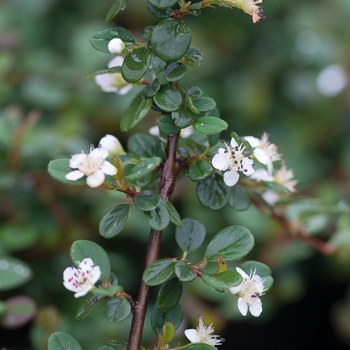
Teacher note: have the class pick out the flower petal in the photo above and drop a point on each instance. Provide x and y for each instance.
(76, 160)
(262, 156)
(192, 335)
(74, 175)
(221, 160)
(95, 274)
(108, 168)
(253, 141)
(255, 307)
(83, 292)
(242, 306)
(242, 273)
(236, 289)
(231, 178)
(96, 179)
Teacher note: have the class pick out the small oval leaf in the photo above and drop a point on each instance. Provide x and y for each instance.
(116, 309)
(169, 295)
(190, 235)
(114, 221)
(168, 98)
(210, 125)
(58, 169)
(158, 272)
(63, 341)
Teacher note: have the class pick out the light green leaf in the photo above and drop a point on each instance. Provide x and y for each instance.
(143, 168)
(222, 280)
(63, 341)
(209, 125)
(184, 272)
(13, 272)
(159, 318)
(58, 169)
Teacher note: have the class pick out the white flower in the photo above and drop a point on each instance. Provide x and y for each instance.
(184, 133)
(112, 145)
(284, 177)
(231, 160)
(261, 175)
(264, 151)
(249, 291)
(82, 279)
(203, 334)
(116, 46)
(92, 165)
(113, 82)
(250, 7)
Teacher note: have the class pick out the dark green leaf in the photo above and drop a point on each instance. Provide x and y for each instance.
(114, 221)
(105, 347)
(150, 90)
(259, 269)
(204, 104)
(194, 56)
(87, 306)
(167, 126)
(159, 318)
(143, 169)
(13, 272)
(62, 341)
(86, 249)
(182, 116)
(147, 200)
(58, 169)
(163, 4)
(117, 6)
(137, 110)
(209, 125)
(174, 215)
(101, 39)
(158, 218)
(168, 98)
(111, 70)
(239, 198)
(194, 93)
(222, 280)
(190, 235)
(116, 309)
(118, 342)
(212, 192)
(136, 64)
(174, 72)
(199, 170)
(142, 145)
(231, 243)
(159, 13)
(184, 272)
(171, 39)
(213, 139)
(169, 295)
(158, 272)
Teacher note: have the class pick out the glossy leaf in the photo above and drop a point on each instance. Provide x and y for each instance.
(87, 306)
(158, 218)
(173, 72)
(209, 125)
(117, 342)
(167, 126)
(212, 192)
(158, 272)
(159, 13)
(136, 111)
(147, 200)
(194, 56)
(159, 318)
(239, 198)
(136, 64)
(171, 39)
(13, 272)
(182, 117)
(63, 341)
(174, 215)
(117, 6)
(86, 249)
(116, 309)
(169, 295)
(231, 243)
(114, 221)
(222, 280)
(199, 170)
(190, 235)
(143, 168)
(204, 104)
(101, 39)
(163, 4)
(261, 270)
(142, 145)
(151, 90)
(58, 169)
(168, 332)
(198, 346)
(110, 291)
(168, 98)
(183, 272)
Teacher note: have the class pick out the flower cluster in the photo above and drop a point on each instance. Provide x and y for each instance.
(82, 279)
(249, 292)
(248, 6)
(203, 334)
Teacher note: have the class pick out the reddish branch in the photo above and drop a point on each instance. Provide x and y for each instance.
(167, 182)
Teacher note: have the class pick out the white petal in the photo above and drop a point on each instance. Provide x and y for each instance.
(233, 143)
(105, 82)
(261, 175)
(247, 166)
(242, 273)
(221, 160)
(116, 46)
(100, 152)
(231, 178)
(68, 273)
(74, 175)
(262, 156)
(86, 265)
(253, 141)
(192, 335)
(242, 306)
(108, 168)
(95, 274)
(255, 307)
(236, 289)
(96, 179)
(154, 130)
(82, 292)
(117, 61)
(77, 159)
(124, 90)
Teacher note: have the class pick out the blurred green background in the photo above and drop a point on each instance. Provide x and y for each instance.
(270, 76)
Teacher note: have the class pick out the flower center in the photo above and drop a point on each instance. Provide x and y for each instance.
(91, 164)
(236, 157)
(80, 280)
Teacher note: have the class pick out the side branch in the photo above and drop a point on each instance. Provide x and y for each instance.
(166, 188)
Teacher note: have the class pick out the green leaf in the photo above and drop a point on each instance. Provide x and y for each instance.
(259, 269)
(14, 237)
(111, 70)
(163, 4)
(159, 318)
(158, 12)
(116, 309)
(62, 341)
(136, 64)
(108, 292)
(136, 111)
(182, 117)
(158, 218)
(184, 272)
(86, 249)
(142, 145)
(198, 346)
(105, 347)
(58, 169)
(174, 215)
(101, 39)
(239, 198)
(173, 72)
(147, 200)
(231, 243)
(204, 104)
(213, 139)
(13, 272)
(117, 6)
(169, 295)
(194, 56)
(143, 168)
(212, 192)
(167, 126)
(171, 39)
(114, 221)
(168, 98)
(158, 272)
(150, 90)
(194, 93)
(168, 332)
(210, 125)
(118, 342)
(87, 306)
(222, 280)
(199, 170)
(190, 235)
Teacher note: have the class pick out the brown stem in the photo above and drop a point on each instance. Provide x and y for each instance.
(323, 247)
(167, 182)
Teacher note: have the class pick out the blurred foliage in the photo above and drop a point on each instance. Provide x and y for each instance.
(263, 78)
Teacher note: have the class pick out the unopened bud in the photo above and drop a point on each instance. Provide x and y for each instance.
(116, 46)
